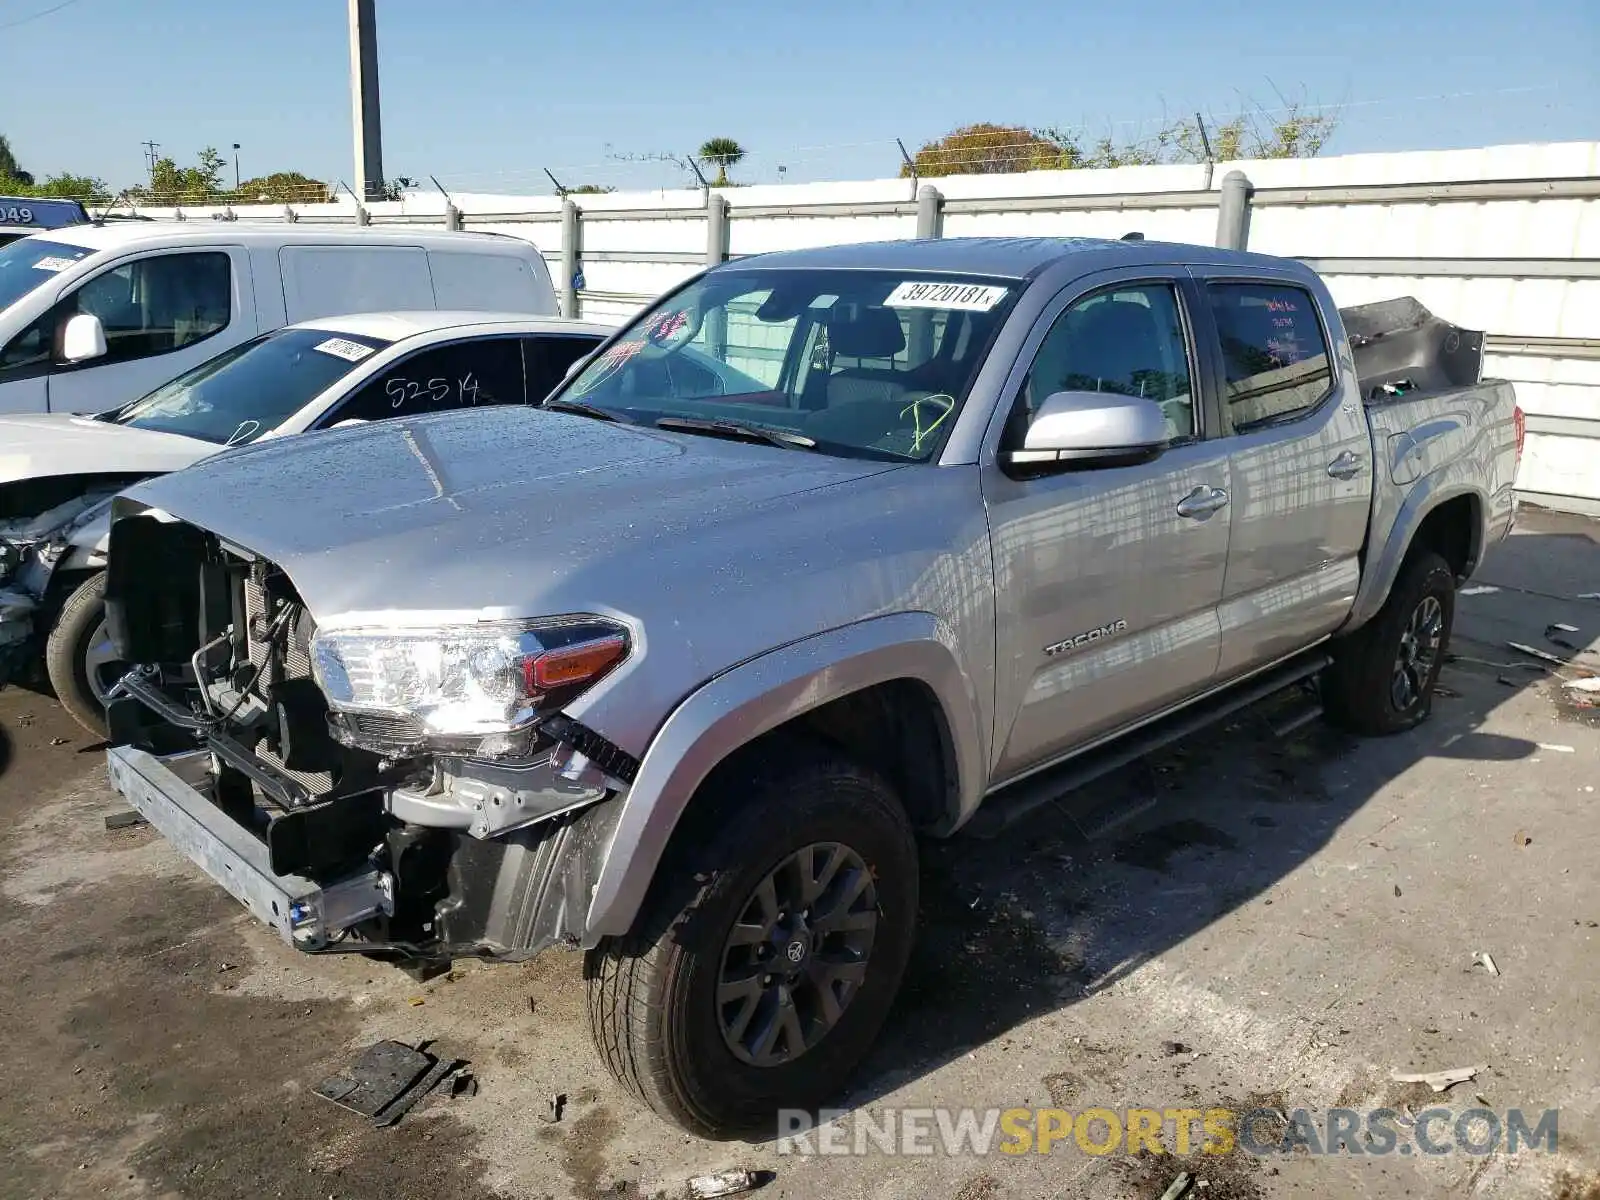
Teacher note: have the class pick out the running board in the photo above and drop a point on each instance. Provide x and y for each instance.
(1000, 811)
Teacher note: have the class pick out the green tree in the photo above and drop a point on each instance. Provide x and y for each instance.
(723, 154)
(172, 184)
(281, 187)
(988, 149)
(10, 168)
(590, 189)
(67, 186)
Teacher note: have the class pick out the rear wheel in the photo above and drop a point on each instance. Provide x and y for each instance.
(1382, 676)
(79, 659)
(768, 956)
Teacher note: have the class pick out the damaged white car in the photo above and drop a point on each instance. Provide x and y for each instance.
(58, 472)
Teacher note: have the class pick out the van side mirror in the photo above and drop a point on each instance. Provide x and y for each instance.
(1078, 430)
(83, 338)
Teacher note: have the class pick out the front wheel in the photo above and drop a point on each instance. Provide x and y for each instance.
(79, 659)
(768, 956)
(1382, 676)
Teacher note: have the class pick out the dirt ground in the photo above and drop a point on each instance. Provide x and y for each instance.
(1300, 914)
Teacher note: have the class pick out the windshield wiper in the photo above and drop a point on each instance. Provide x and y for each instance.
(581, 409)
(736, 429)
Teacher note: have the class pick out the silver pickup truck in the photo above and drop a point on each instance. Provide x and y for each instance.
(825, 551)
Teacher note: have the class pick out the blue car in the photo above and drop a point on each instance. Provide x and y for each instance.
(22, 215)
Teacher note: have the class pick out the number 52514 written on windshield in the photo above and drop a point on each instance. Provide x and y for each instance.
(402, 392)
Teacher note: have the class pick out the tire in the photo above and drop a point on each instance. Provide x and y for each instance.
(77, 653)
(1363, 690)
(653, 995)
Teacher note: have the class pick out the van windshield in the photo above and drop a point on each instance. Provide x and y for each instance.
(250, 390)
(31, 262)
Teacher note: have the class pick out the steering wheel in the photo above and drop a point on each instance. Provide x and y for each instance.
(942, 406)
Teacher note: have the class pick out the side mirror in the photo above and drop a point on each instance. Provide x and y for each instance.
(1074, 430)
(83, 338)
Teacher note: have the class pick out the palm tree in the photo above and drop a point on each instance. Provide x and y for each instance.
(722, 153)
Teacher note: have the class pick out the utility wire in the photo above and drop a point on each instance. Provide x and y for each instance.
(45, 13)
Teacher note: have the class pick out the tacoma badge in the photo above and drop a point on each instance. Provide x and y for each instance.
(1083, 639)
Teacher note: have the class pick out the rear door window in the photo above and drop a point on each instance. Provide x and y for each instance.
(548, 357)
(461, 375)
(1274, 352)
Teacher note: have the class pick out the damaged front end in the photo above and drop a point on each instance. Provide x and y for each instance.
(409, 793)
(31, 550)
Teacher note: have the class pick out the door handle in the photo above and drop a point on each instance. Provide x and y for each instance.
(1202, 502)
(1346, 466)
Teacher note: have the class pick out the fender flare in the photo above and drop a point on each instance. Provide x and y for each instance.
(1382, 568)
(736, 707)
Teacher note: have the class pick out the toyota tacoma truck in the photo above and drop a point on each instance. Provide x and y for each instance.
(825, 552)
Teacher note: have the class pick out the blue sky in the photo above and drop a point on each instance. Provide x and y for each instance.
(483, 93)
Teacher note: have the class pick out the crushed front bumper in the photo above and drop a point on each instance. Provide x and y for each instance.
(167, 791)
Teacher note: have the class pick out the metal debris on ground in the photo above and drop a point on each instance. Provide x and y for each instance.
(1556, 747)
(1483, 959)
(1482, 589)
(555, 1106)
(386, 1081)
(1543, 655)
(1558, 627)
(1591, 684)
(59, 741)
(727, 1183)
(1505, 679)
(1178, 1186)
(463, 1085)
(1439, 1081)
(125, 819)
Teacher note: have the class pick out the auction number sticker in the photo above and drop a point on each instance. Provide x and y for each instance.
(972, 297)
(53, 264)
(344, 348)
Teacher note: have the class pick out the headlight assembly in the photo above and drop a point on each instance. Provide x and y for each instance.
(475, 689)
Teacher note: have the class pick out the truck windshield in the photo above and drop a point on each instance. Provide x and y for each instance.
(251, 389)
(31, 262)
(861, 364)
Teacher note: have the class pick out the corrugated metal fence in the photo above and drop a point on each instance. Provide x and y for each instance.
(1505, 239)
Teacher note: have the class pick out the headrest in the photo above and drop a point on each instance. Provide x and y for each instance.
(858, 331)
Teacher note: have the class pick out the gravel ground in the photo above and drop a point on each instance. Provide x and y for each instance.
(1249, 921)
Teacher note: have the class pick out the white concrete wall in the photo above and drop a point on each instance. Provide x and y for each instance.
(1559, 384)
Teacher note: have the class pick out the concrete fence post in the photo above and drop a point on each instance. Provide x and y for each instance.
(716, 229)
(930, 212)
(571, 248)
(1233, 211)
(716, 324)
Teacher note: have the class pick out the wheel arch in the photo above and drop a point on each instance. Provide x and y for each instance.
(1449, 519)
(827, 685)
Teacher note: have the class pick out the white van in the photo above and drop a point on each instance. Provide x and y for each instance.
(96, 315)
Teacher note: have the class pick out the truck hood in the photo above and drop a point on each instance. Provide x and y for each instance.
(33, 447)
(502, 513)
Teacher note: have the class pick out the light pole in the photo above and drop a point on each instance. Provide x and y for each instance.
(236, 166)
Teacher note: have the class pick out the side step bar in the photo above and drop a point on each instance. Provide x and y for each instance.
(1000, 811)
